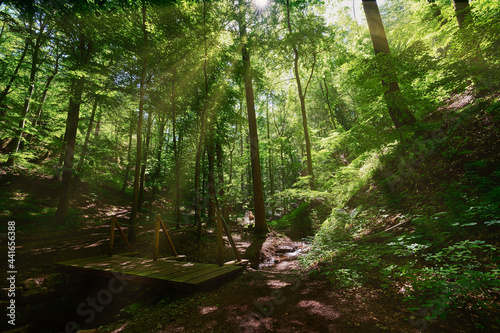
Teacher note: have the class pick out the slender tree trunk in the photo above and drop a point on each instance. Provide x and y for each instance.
(98, 125)
(302, 98)
(204, 181)
(325, 92)
(27, 101)
(282, 157)
(270, 157)
(212, 196)
(220, 172)
(338, 112)
(129, 153)
(477, 64)
(87, 136)
(67, 171)
(142, 91)
(145, 160)
(85, 49)
(176, 154)
(6, 91)
(34, 123)
(242, 151)
(258, 195)
(197, 208)
(398, 110)
(161, 141)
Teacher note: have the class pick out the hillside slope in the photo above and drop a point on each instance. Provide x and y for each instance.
(425, 225)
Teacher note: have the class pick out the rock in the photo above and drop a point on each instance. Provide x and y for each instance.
(285, 249)
(30, 284)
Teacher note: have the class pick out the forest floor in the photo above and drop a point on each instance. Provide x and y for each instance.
(277, 297)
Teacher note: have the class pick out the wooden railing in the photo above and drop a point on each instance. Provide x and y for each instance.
(221, 224)
(113, 226)
(221, 228)
(158, 223)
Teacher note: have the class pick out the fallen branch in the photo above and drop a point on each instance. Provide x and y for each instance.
(369, 237)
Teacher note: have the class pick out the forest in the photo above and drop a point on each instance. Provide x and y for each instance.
(351, 149)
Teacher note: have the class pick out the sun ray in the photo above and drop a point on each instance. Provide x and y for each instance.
(261, 5)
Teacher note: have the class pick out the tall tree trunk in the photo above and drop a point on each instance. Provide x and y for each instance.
(6, 91)
(212, 196)
(129, 153)
(325, 93)
(98, 125)
(161, 141)
(338, 113)
(282, 158)
(242, 151)
(258, 195)
(477, 64)
(199, 149)
(87, 136)
(72, 128)
(41, 103)
(302, 98)
(220, 173)
(463, 13)
(85, 49)
(177, 161)
(398, 110)
(27, 101)
(142, 91)
(270, 157)
(145, 160)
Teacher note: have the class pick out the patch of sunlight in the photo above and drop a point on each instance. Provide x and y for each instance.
(98, 243)
(19, 196)
(315, 307)
(120, 329)
(276, 284)
(208, 309)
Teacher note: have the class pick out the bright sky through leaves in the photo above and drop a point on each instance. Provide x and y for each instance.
(261, 4)
(333, 7)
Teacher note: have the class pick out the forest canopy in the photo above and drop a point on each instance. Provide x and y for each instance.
(179, 96)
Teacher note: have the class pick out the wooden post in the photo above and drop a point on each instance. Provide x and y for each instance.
(157, 238)
(220, 244)
(112, 236)
(235, 250)
(168, 236)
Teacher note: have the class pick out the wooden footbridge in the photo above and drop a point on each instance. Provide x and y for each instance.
(172, 271)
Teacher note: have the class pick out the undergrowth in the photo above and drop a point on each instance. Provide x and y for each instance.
(441, 195)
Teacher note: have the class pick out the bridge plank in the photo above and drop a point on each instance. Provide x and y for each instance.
(184, 274)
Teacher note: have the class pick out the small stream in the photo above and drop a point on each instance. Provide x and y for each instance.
(286, 253)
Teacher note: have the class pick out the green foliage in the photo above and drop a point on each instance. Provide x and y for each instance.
(463, 275)
(299, 219)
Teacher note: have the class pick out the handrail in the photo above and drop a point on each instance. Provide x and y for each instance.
(114, 224)
(233, 245)
(158, 223)
(222, 225)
